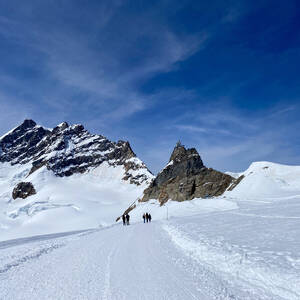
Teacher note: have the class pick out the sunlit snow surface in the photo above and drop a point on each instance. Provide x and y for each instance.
(243, 245)
(81, 201)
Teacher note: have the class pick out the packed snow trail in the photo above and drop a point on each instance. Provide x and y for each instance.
(139, 261)
(132, 262)
(129, 262)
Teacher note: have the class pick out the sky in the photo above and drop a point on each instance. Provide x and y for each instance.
(220, 76)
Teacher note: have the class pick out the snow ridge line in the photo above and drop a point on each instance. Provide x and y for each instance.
(237, 267)
(30, 257)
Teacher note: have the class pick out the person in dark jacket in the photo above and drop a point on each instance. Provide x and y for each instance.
(127, 219)
(149, 217)
(123, 219)
(144, 217)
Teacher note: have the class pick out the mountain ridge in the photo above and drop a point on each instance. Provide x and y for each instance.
(69, 149)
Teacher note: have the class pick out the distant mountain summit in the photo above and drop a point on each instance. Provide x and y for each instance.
(69, 149)
(185, 177)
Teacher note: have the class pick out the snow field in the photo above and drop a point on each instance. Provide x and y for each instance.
(121, 262)
(82, 201)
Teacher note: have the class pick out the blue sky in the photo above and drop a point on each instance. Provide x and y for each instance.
(221, 76)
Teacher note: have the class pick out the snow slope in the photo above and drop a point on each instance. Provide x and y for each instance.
(267, 179)
(81, 201)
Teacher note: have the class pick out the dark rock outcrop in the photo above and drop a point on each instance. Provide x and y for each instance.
(23, 190)
(67, 150)
(236, 182)
(20, 145)
(185, 177)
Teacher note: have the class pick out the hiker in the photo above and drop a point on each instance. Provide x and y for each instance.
(144, 217)
(149, 217)
(127, 219)
(123, 219)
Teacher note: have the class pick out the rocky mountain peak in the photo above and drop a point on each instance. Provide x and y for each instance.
(21, 129)
(126, 149)
(20, 143)
(180, 153)
(183, 162)
(69, 149)
(28, 123)
(185, 177)
(62, 126)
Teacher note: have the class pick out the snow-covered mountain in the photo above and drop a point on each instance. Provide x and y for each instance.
(67, 150)
(80, 180)
(266, 179)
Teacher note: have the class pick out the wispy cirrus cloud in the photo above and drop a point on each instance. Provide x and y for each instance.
(101, 68)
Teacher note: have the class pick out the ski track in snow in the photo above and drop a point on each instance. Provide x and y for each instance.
(107, 294)
(28, 258)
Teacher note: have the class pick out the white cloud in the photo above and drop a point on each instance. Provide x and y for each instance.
(192, 128)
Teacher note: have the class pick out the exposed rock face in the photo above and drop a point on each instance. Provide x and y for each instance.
(236, 182)
(23, 190)
(185, 177)
(67, 150)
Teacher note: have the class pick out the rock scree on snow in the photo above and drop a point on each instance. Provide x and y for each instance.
(185, 177)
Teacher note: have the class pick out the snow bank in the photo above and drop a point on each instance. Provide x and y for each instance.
(239, 268)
